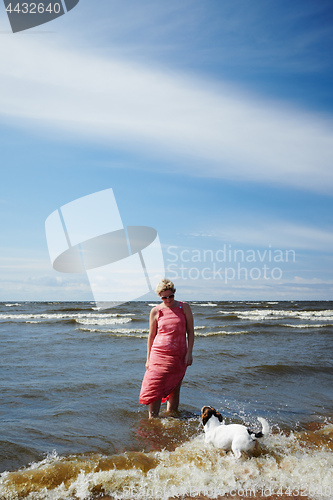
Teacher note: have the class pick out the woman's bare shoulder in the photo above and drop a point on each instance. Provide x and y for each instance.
(154, 312)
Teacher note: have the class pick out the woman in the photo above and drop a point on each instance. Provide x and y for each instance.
(168, 353)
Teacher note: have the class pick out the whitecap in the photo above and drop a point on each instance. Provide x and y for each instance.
(103, 321)
(67, 316)
(278, 314)
(221, 332)
(207, 304)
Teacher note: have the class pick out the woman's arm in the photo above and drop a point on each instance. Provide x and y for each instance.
(190, 333)
(152, 332)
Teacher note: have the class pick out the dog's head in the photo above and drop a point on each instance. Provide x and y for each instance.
(209, 411)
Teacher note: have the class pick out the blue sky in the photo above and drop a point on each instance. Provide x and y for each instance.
(212, 122)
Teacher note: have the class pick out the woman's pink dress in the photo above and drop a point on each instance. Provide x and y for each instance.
(167, 356)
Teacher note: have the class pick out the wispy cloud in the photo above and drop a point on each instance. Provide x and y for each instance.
(28, 278)
(262, 233)
(278, 234)
(233, 135)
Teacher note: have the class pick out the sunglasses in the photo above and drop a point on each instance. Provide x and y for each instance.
(168, 297)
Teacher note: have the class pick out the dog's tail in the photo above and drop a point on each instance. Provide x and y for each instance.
(265, 429)
(265, 426)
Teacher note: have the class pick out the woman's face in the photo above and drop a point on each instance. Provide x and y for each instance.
(168, 297)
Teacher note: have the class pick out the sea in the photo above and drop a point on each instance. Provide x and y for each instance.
(72, 427)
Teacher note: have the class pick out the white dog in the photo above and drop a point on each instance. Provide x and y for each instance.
(233, 437)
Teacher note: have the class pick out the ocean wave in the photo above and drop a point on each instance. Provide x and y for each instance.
(278, 314)
(294, 462)
(103, 321)
(206, 304)
(118, 332)
(314, 325)
(76, 317)
(220, 332)
(282, 369)
(227, 316)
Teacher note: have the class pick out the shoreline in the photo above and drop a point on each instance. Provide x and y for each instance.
(231, 497)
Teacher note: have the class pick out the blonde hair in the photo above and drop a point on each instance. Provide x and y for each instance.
(164, 285)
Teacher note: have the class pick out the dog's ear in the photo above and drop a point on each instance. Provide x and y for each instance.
(219, 416)
(207, 412)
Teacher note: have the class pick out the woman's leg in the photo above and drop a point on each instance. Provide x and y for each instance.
(173, 401)
(154, 408)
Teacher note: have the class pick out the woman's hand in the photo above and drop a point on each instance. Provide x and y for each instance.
(190, 333)
(147, 364)
(188, 358)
